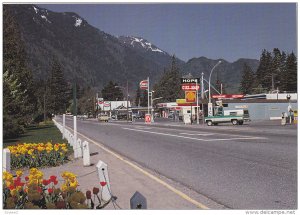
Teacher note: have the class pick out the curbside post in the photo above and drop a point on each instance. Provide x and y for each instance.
(6, 160)
(103, 177)
(86, 154)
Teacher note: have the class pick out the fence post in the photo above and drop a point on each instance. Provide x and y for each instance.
(86, 154)
(104, 180)
(6, 160)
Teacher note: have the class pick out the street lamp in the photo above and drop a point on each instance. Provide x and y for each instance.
(209, 97)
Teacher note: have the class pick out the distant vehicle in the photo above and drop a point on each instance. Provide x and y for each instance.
(103, 118)
(82, 117)
(236, 117)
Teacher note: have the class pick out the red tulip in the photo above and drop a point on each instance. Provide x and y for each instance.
(11, 187)
(55, 182)
(50, 190)
(45, 182)
(103, 183)
(39, 190)
(95, 190)
(88, 194)
(26, 178)
(52, 178)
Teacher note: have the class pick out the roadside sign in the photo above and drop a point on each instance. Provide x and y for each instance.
(189, 87)
(180, 101)
(228, 96)
(190, 96)
(144, 85)
(190, 80)
(147, 118)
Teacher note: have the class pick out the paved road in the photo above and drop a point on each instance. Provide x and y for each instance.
(242, 167)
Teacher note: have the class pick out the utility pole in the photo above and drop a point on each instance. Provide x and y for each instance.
(127, 100)
(148, 95)
(202, 95)
(74, 99)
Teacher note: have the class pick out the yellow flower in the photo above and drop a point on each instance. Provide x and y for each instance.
(40, 148)
(8, 183)
(7, 176)
(74, 184)
(30, 152)
(19, 173)
(13, 192)
(56, 147)
(64, 187)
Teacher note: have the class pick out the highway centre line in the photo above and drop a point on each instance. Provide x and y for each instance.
(194, 138)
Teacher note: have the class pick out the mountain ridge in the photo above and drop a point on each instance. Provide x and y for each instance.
(93, 57)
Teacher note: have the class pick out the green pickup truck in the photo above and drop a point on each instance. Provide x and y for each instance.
(236, 117)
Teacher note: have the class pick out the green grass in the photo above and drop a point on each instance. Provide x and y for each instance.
(44, 132)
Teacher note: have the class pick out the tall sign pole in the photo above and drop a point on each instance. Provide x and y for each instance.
(148, 95)
(202, 96)
(197, 98)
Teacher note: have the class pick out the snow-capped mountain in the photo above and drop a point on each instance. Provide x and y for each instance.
(85, 52)
(94, 57)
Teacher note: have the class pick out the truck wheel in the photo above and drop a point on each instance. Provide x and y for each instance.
(234, 122)
(209, 123)
(241, 122)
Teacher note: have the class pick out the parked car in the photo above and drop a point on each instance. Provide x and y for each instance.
(103, 118)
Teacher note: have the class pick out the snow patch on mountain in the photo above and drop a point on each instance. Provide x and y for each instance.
(145, 44)
(35, 9)
(78, 21)
(45, 18)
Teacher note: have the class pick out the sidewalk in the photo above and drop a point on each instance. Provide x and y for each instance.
(127, 177)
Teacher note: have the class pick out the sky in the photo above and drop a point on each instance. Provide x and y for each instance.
(217, 30)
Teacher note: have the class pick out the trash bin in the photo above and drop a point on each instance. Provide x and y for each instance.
(295, 116)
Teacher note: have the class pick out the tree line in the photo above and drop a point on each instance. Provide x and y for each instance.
(277, 70)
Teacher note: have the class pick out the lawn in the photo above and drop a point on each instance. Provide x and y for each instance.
(45, 132)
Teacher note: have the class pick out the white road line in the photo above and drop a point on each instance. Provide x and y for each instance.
(193, 138)
(197, 134)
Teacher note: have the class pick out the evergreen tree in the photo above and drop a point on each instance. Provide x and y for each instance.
(19, 103)
(57, 91)
(138, 96)
(86, 101)
(264, 70)
(275, 69)
(291, 73)
(144, 99)
(247, 82)
(283, 80)
(169, 86)
(112, 92)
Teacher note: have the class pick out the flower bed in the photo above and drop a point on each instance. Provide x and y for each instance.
(39, 193)
(39, 154)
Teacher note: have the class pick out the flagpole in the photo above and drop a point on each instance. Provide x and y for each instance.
(148, 94)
